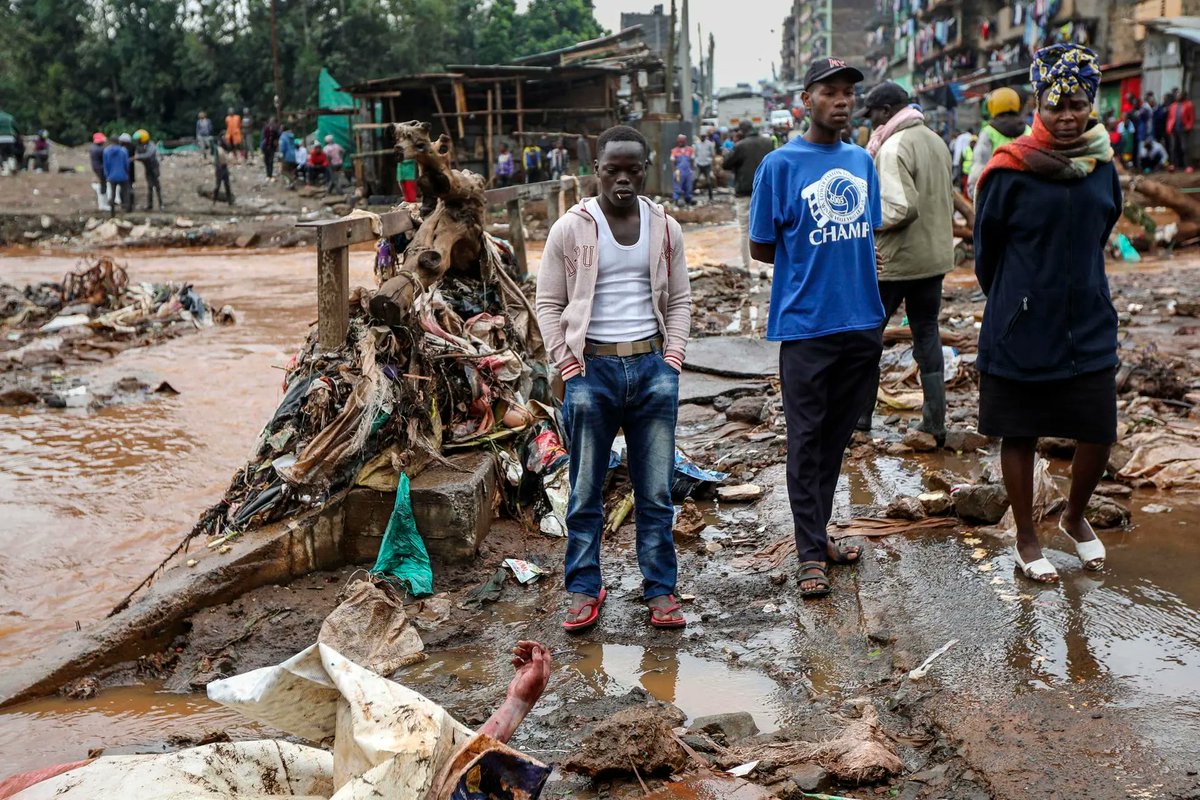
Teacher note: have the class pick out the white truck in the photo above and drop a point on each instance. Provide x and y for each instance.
(733, 109)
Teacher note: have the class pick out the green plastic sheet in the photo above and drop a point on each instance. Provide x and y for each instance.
(402, 555)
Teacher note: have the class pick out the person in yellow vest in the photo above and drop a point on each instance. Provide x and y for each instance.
(968, 160)
(1004, 108)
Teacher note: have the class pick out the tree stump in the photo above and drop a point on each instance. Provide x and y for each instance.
(451, 234)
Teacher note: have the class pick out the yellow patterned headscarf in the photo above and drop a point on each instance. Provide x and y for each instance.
(1064, 69)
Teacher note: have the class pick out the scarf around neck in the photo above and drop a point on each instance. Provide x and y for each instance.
(902, 119)
(1041, 155)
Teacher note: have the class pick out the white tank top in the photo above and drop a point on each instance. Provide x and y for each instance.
(623, 305)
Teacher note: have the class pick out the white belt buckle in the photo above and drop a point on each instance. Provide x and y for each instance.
(624, 349)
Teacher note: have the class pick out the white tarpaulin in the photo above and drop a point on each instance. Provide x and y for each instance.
(389, 743)
(243, 769)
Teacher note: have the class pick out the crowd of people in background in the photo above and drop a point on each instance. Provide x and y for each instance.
(302, 160)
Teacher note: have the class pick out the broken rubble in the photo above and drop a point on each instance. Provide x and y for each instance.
(1105, 513)
(726, 728)
(920, 442)
(744, 493)
(904, 507)
(985, 503)
(937, 503)
(747, 409)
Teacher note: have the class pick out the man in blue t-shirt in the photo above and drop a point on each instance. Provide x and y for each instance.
(813, 213)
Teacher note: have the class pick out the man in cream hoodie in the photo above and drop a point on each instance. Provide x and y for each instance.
(614, 308)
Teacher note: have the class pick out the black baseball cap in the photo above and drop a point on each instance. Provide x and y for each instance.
(886, 95)
(825, 68)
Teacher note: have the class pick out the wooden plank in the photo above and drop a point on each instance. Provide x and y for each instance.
(333, 294)
(338, 233)
(534, 191)
(554, 205)
(516, 234)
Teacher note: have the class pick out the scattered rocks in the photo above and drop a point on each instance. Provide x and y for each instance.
(963, 441)
(944, 480)
(1156, 508)
(937, 504)
(1105, 513)
(808, 777)
(920, 442)
(747, 409)
(985, 503)
(727, 728)
(17, 397)
(1114, 490)
(690, 520)
(905, 507)
(1054, 447)
(742, 493)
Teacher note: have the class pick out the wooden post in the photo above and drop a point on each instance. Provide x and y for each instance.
(437, 101)
(460, 106)
(571, 194)
(333, 292)
(554, 205)
(491, 161)
(520, 113)
(516, 233)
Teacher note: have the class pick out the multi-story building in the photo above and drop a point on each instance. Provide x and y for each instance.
(656, 29)
(819, 28)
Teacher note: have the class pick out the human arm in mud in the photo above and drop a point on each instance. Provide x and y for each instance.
(532, 661)
(679, 300)
(551, 302)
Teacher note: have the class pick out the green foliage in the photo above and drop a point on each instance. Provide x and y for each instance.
(77, 66)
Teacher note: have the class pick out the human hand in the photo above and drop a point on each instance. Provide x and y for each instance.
(532, 662)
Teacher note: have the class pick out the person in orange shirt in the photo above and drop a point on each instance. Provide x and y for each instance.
(233, 129)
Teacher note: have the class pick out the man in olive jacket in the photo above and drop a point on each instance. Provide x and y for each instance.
(915, 243)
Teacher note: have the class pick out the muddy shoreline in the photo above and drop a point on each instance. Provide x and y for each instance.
(1041, 693)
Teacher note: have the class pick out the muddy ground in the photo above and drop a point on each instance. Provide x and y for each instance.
(1080, 690)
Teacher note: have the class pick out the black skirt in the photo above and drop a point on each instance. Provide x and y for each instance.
(1083, 408)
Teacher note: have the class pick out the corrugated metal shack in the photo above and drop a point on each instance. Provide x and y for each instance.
(577, 91)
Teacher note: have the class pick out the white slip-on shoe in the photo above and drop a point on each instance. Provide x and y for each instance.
(1040, 570)
(1091, 553)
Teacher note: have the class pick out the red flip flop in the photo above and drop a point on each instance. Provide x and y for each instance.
(657, 615)
(590, 619)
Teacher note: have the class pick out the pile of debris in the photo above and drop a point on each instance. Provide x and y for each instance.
(445, 355)
(94, 313)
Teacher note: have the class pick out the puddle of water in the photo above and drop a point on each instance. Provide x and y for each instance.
(58, 730)
(699, 687)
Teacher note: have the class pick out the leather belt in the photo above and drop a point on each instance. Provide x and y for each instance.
(623, 348)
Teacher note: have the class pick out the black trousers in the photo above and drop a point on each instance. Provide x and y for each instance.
(922, 300)
(1178, 144)
(223, 180)
(269, 161)
(824, 382)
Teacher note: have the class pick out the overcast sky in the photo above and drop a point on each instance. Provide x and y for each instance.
(748, 32)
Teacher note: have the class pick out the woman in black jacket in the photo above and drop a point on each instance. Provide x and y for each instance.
(1045, 207)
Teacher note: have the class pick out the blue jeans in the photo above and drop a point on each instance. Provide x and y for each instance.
(640, 395)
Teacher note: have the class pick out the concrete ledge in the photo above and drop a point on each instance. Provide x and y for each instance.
(272, 554)
(452, 507)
